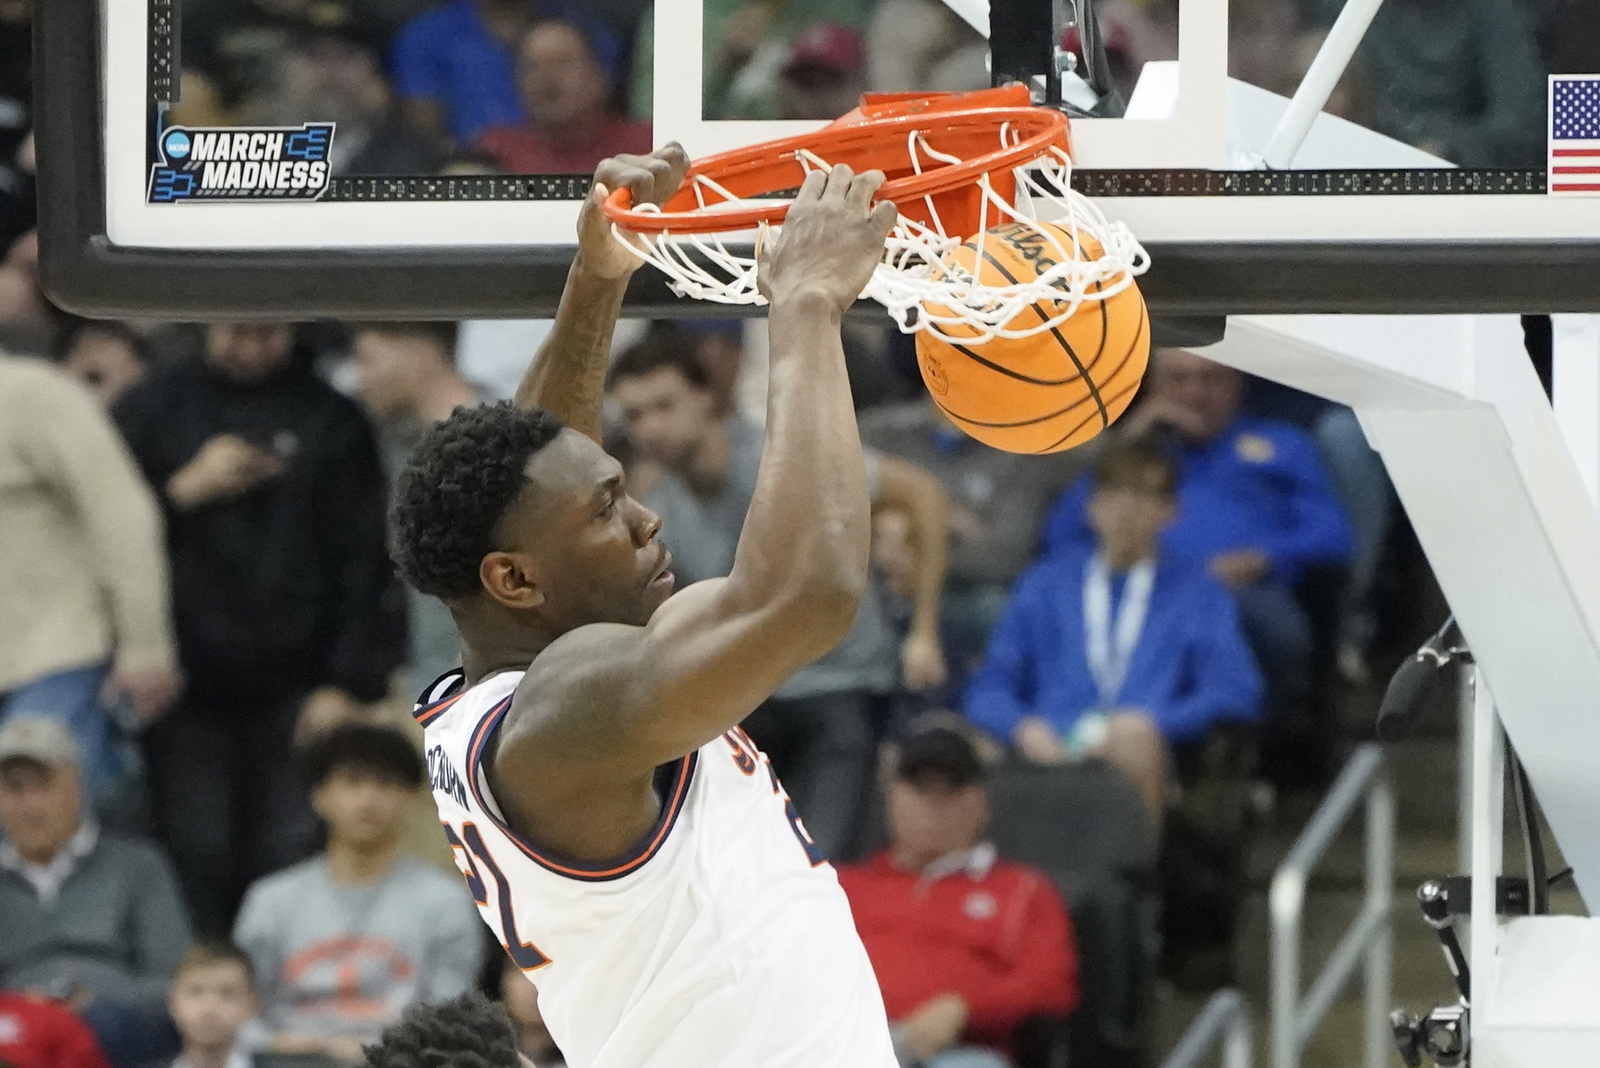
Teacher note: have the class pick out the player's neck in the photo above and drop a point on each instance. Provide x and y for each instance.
(711, 463)
(353, 865)
(492, 643)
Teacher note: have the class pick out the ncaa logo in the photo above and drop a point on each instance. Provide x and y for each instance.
(176, 146)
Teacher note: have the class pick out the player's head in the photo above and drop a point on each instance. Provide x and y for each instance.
(1207, 390)
(506, 514)
(396, 363)
(665, 393)
(467, 1032)
(1134, 499)
(936, 801)
(363, 779)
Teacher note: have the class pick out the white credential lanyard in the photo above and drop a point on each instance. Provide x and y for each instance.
(1110, 645)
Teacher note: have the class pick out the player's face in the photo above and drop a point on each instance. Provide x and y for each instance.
(561, 82)
(210, 1002)
(591, 549)
(667, 416)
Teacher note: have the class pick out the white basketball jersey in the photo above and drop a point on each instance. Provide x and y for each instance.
(722, 941)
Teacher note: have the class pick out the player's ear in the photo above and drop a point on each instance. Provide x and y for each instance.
(511, 580)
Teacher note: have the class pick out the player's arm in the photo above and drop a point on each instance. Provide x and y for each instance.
(568, 375)
(607, 703)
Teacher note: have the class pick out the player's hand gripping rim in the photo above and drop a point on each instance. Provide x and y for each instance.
(652, 179)
(831, 241)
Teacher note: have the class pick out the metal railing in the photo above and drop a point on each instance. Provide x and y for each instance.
(1294, 1018)
(1224, 1020)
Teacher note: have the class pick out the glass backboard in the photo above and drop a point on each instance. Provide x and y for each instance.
(1430, 178)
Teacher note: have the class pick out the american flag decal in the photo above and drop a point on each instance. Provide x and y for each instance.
(1575, 135)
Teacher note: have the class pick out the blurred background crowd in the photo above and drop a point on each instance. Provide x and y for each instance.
(1076, 687)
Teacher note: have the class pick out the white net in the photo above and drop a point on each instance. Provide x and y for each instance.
(1086, 257)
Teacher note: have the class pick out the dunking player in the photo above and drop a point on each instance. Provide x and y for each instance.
(631, 848)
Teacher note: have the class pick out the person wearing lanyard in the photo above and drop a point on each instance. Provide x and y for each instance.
(1117, 651)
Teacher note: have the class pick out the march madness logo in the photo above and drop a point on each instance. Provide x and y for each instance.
(279, 163)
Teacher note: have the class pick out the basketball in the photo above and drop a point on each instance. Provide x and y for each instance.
(1049, 392)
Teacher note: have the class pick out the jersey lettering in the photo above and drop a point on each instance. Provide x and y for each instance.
(813, 851)
(743, 755)
(470, 844)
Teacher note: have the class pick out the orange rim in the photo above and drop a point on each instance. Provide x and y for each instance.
(868, 139)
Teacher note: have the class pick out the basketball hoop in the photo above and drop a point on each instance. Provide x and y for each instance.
(958, 165)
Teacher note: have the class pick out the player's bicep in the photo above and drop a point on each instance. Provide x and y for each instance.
(707, 658)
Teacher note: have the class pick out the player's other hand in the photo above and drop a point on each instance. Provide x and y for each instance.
(651, 179)
(831, 240)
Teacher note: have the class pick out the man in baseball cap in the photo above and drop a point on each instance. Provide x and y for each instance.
(966, 945)
(84, 915)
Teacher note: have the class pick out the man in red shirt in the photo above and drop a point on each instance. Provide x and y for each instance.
(36, 1032)
(565, 75)
(966, 946)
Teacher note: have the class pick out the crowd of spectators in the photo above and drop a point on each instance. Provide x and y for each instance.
(206, 770)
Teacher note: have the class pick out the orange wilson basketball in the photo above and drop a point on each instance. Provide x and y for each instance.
(1056, 389)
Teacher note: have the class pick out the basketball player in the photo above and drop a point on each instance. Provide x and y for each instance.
(628, 844)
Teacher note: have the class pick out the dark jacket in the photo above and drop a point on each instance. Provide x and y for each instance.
(288, 587)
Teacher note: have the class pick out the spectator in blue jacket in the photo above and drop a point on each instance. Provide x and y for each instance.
(1254, 504)
(1117, 649)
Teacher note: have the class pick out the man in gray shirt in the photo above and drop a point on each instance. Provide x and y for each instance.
(84, 915)
(819, 726)
(345, 941)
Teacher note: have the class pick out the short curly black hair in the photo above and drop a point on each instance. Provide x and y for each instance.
(460, 480)
(467, 1032)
